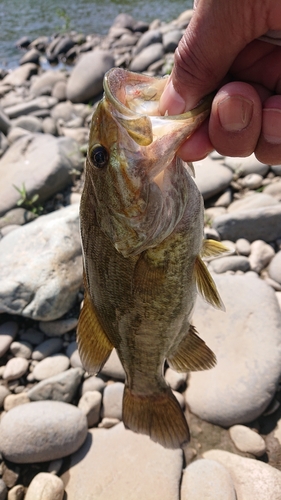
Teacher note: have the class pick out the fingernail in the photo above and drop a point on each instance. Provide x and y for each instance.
(171, 101)
(235, 113)
(271, 126)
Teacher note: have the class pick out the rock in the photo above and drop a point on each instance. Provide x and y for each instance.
(32, 336)
(63, 110)
(7, 229)
(23, 42)
(247, 440)
(30, 123)
(50, 366)
(124, 20)
(113, 367)
(3, 490)
(93, 383)
(16, 493)
(60, 387)
(51, 154)
(17, 133)
(274, 190)
(254, 200)
(15, 368)
(90, 405)
(59, 91)
(45, 83)
(211, 177)
(32, 56)
(148, 38)
(20, 75)
(112, 400)
(208, 480)
(55, 466)
(47, 348)
(243, 247)
(276, 169)
(45, 486)
(137, 460)
(230, 263)
(244, 166)
(171, 40)
(240, 387)
(146, 57)
(13, 400)
(49, 126)
(83, 85)
(59, 327)
(253, 224)
(66, 43)
(4, 392)
(277, 431)
(73, 354)
(61, 432)
(51, 242)
(251, 478)
(107, 423)
(274, 269)
(252, 181)
(5, 123)
(26, 107)
(174, 379)
(8, 332)
(21, 349)
(261, 255)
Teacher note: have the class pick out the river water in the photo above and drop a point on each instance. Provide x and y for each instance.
(45, 17)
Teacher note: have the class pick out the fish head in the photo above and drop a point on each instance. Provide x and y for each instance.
(137, 181)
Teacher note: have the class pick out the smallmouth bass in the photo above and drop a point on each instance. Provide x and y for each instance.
(142, 236)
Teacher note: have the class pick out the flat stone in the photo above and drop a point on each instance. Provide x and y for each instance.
(112, 400)
(244, 381)
(247, 440)
(26, 107)
(43, 84)
(211, 177)
(8, 332)
(50, 366)
(45, 486)
(261, 255)
(253, 224)
(13, 400)
(21, 349)
(230, 263)
(59, 327)
(254, 200)
(20, 75)
(47, 348)
(113, 367)
(30, 123)
(274, 269)
(134, 468)
(90, 405)
(207, 480)
(148, 38)
(251, 478)
(15, 368)
(29, 256)
(49, 430)
(60, 387)
(248, 165)
(147, 57)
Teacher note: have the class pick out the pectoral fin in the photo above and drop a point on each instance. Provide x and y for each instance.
(192, 354)
(149, 276)
(212, 248)
(93, 344)
(206, 285)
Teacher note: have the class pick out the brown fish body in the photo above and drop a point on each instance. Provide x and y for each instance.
(142, 234)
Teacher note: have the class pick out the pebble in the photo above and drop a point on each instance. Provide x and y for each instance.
(112, 400)
(243, 247)
(4, 392)
(244, 381)
(113, 367)
(253, 200)
(8, 332)
(45, 486)
(13, 400)
(211, 177)
(230, 263)
(146, 57)
(73, 354)
(274, 269)
(47, 348)
(247, 440)
(207, 479)
(247, 165)
(252, 181)
(107, 423)
(15, 368)
(174, 379)
(32, 336)
(141, 463)
(59, 327)
(261, 255)
(93, 383)
(21, 349)
(55, 466)
(60, 387)
(50, 366)
(274, 190)
(16, 493)
(61, 432)
(90, 405)
(252, 478)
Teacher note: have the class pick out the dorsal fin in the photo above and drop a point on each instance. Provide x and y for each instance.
(206, 285)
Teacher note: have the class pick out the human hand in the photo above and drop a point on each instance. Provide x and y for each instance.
(220, 50)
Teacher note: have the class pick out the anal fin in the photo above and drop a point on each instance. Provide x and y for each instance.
(93, 344)
(206, 285)
(193, 354)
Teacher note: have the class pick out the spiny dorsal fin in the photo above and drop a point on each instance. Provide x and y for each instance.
(93, 344)
(212, 248)
(206, 285)
(192, 354)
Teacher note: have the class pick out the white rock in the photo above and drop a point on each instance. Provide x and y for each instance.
(230, 263)
(21, 349)
(211, 177)
(175, 379)
(112, 400)
(261, 255)
(247, 440)
(15, 368)
(243, 247)
(90, 405)
(45, 486)
(252, 181)
(275, 268)
(50, 366)
(59, 327)
(13, 400)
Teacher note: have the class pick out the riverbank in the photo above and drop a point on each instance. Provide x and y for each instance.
(61, 430)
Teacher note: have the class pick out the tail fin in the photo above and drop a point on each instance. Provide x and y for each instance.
(158, 415)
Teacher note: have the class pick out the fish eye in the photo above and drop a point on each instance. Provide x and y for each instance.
(99, 156)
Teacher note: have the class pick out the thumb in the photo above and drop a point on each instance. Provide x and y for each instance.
(216, 34)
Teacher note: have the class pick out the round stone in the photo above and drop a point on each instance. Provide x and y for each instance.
(207, 480)
(51, 366)
(247, 440)
(15, 368)
(45, 486)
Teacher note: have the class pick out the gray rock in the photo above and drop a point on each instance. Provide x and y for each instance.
(276, 169)
(251, 478)
(261, 255)
(243, 247)
(171, 40)
(5, 123)
(20, 75)
(3, 490)
(50, 242)
(45, 83)
(247, 440)
(16, 133)
(211, 177)
(112, 400)
(56, 158)
(49, 430)
(146, 57)
(8, 229)
(148, 38)
(60, 387)
(22, 349)
(207, 480)
(4, 391)
(32, 336)
(15, 368)
(55, 466)
(49, 126)
(30, 123)
(50, 366)
(135, 457)
(248, 165)
(26, 107)
(45, 486)
(73, 354)
(65, 43)
(254, 200)
(124, 20)
(244, 381)
(90, 405)
(8, 332)
(230, 263)
(64, 110)
(274, 190)
(59, 91)
(32, 56)
(274, 269)
(59, 327)
(83, 85)
(93, 383)
(253, 224)
(113, 367)
(47, 348)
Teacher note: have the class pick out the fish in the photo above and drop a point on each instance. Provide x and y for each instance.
(141, 222)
